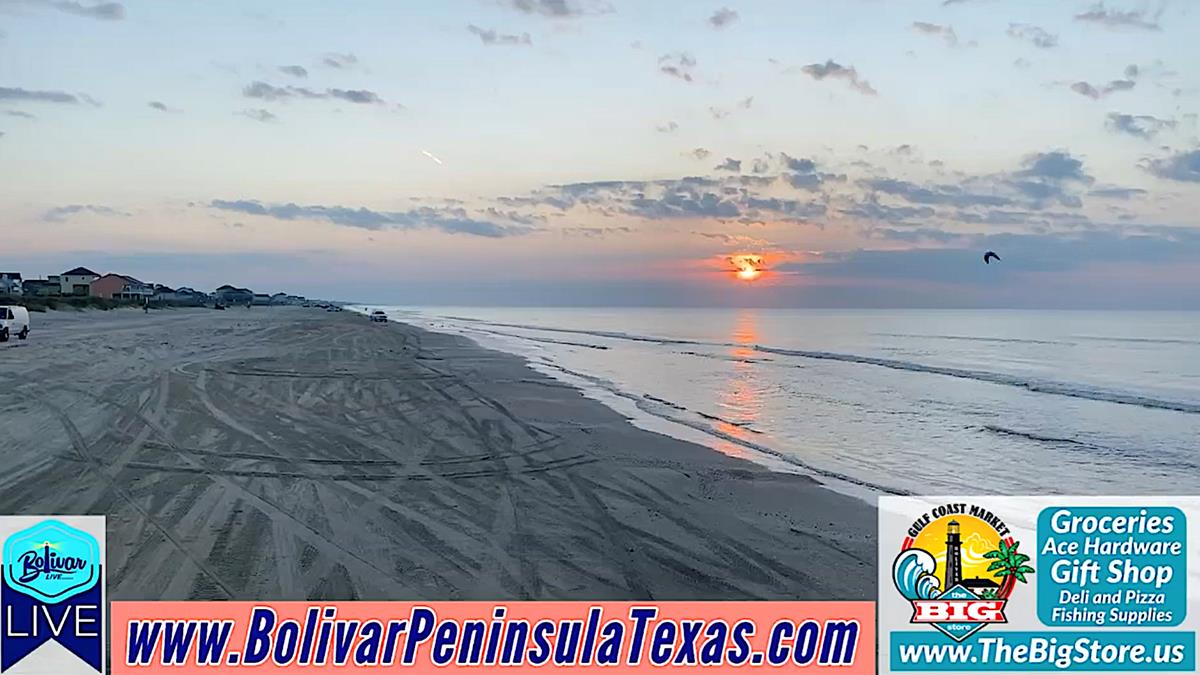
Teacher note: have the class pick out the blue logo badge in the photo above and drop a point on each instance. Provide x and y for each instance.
(51, 561)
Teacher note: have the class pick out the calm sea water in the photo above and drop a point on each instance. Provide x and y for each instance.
(889, 401)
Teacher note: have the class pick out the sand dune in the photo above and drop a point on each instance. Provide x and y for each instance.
(286, 453)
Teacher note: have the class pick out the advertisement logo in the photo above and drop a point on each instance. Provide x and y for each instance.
(958, 566)
(52, 589)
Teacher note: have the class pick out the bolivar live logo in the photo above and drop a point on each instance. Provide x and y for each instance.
(52, 589)
(959, 566)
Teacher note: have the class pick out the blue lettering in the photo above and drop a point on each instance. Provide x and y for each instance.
(742, 631)
(444, 642)
(423, 622)
(641, 617)
(541, 632)
(258, 637)
(663, 644)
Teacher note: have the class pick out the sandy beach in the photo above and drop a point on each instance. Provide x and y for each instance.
(289, 453)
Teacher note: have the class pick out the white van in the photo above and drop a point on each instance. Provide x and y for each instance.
(14, 320)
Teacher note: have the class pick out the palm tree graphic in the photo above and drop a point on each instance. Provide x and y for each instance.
(1008, 562)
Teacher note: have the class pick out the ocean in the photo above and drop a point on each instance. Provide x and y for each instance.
(888, 401)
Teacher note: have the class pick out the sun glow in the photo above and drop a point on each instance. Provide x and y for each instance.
(747, 267)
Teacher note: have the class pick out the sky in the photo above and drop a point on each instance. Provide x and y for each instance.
(596, 152)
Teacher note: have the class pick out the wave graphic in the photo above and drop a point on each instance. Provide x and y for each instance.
(913, 574)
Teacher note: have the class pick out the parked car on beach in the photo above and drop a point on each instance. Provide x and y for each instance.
(14, 320)
(378, 316)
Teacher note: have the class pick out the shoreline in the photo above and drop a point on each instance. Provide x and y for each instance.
(635, 409)
(284, 453)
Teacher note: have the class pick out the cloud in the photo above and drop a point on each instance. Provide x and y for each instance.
(162, 107)
(555, 9)
(800, 164)
(269, 92)
(294, 71)
(1094, 92)
(490, 37)
(820, 71)
(104, 11)
(258, 114)
(1035, 35)
(722, 18)
(1115, 18)
(594, 232)
(679, 64)
(1117, 192)
(722, 198)
(360, 96)
(733, 239)
(339, 61)
(801, 173)
(1044, 192)
(20, 113)
(1056, 165)
(683, 201)
(1049, 177)
(945, 32)
(1043, 179)
(1142, 126)
(19, 94)
(1183, 166)
(669, 127)
(873, 210)
(60, 213)
(730, 164)
(951, 195)
(449, 220)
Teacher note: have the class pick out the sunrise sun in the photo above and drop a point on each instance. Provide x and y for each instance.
(747, 267)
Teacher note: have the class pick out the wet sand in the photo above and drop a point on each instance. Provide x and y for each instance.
(290, 453)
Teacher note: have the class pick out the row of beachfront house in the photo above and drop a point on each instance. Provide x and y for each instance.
(82, 281)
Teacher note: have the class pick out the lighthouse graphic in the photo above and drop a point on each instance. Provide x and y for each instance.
(953, 555)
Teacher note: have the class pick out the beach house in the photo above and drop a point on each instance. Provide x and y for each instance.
(77, 281)
(121, 287)
(11, 284)
(232, 295)
(190, 296)
(42, 288)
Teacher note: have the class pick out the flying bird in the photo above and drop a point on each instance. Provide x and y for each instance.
(989, 256)
(431, 156)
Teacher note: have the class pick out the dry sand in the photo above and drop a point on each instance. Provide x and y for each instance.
(289, 453)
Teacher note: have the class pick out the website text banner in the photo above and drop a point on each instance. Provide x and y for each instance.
(1045, 583)
(220, 637)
